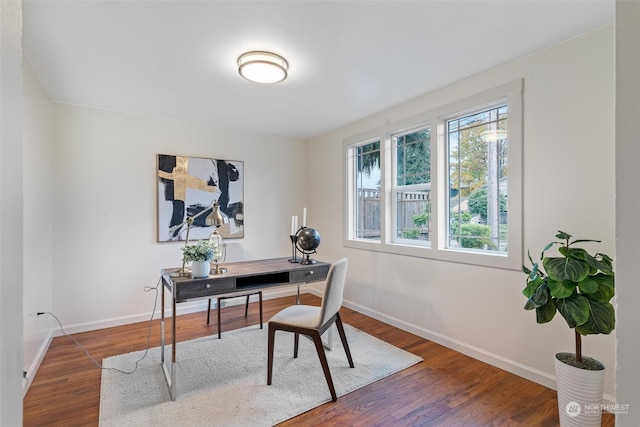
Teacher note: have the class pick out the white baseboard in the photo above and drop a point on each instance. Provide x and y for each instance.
(543, 378)
(31, 372)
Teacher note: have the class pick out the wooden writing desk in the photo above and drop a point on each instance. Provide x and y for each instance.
(240, 277)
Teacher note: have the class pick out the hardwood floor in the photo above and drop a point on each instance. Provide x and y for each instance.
(446, 389)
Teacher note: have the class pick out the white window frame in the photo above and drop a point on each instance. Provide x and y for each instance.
(394, 189)
(511, 94)
(351, 187)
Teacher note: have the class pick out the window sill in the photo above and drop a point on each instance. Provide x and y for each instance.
(501, 261)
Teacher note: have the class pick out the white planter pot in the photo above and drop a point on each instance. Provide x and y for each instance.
(200, 269)
(579, 394)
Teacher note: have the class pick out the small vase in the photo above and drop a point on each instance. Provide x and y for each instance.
(200, 269)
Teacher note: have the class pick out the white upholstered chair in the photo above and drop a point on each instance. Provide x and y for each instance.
(313, 321)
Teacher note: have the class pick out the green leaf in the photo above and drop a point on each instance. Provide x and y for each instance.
(533, 274)
(563, 236)
(546, 312)
(606, 287)
(605, 259)
(602, 319)
(595, 262)
(577, 253)
(575, 309)
(603, 263)
(546, 248)
(588, 286)
(585, 240)
(539, 298)
(532, 287)
(530, 304)
(561, 289)
(561, 268)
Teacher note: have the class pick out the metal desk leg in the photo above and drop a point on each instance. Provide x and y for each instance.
(169, 373)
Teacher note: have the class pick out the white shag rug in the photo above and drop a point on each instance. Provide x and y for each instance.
(223, 382)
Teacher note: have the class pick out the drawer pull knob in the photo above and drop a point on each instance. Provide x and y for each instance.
(311, 272)
(208, 285)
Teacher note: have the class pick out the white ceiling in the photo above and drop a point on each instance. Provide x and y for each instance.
(348, 59)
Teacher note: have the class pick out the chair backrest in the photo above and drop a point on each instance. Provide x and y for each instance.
(332, 299)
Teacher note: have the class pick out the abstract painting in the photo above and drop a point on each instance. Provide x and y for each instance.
(189, 185)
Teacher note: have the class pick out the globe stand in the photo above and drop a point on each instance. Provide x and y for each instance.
(307, 260)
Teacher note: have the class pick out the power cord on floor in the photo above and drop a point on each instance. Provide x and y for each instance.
(155, 305)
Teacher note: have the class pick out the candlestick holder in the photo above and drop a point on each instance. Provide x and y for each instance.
(294, 250)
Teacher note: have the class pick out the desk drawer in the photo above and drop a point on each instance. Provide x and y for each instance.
(203, 288)
(309, 274)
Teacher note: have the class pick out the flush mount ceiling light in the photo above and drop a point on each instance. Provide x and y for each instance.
(262, 67)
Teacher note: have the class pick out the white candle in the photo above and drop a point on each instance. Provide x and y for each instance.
(293, 230)
(304, 217)
(295, 226)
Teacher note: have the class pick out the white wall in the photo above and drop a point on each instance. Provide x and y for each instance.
(104, 208)
(628, 207)
(38, 230)
(568, 185)
(11, 209)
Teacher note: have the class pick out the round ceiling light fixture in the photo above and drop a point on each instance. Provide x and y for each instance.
(262, 67)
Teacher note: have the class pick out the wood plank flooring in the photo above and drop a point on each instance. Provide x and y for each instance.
(447, 389)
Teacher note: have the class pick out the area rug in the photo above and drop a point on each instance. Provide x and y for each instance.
(223, 382)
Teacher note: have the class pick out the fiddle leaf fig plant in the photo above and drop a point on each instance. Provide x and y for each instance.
(576, 284)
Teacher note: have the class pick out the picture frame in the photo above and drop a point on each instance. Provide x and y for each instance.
(188, 185)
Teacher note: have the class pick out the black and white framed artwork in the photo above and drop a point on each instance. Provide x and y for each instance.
(189, 185)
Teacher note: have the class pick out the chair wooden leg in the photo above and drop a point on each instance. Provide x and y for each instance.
(219, 321)
(260, 303)
(343, 338)
(208, 310)
(315, 335)
(272, 333)
(296, 341)
(246, 306)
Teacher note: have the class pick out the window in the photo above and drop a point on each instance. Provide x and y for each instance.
(412, 185)
(367, 187)
(445, 184)
(478, 158)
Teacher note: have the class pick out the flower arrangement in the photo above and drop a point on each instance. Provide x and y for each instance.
(202, 251)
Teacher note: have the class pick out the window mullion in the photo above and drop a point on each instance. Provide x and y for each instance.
(387, 188)
(439, 175)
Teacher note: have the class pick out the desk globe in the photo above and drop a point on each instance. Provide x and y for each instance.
(307, 241)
